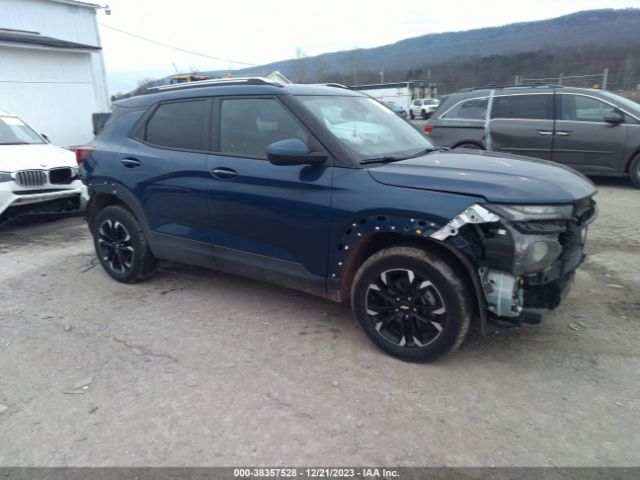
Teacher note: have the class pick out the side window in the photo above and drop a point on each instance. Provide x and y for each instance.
(416, 103)
(523, 106)
(474, 109)
(249, 125)
(178, 125)
(583, 109)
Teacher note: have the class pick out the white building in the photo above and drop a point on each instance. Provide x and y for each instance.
(51, 67)
(401, 93)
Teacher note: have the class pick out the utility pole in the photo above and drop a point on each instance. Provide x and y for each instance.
(605, 78)
(382, 74)
(560, 79)
(517, 81)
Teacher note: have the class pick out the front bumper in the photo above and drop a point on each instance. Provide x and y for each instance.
(17, 200)
(511, 287)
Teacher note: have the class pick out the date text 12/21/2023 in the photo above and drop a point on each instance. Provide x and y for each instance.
(315, 472)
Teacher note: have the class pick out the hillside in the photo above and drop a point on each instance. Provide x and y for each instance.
(594, 27)
(579, 43)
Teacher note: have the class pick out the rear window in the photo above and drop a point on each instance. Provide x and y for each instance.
(178, 125)
(523, 106)
(472, 109)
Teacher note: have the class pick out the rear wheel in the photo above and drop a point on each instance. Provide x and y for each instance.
(425, 115)
(411, 115)
(634, 171)
(411, 303)
(121, 245)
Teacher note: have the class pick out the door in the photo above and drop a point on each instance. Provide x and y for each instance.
(166, 168)
(270, 222)
(523, 124)
(583, 139)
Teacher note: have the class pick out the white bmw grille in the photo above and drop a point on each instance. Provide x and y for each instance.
(31, 178)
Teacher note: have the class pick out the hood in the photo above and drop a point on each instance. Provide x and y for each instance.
(500, 178)
(37, 157)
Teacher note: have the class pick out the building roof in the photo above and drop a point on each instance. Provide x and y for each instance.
(14, 36)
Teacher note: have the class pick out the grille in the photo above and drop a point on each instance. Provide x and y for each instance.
(31, 178)
(60, 175)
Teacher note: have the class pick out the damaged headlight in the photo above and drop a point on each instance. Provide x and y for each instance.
(5, 177)
(535, 256)
(523, 213)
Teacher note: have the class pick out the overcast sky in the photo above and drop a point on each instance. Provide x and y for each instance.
(258, 32)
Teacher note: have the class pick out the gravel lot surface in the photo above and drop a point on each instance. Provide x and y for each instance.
(193, 367)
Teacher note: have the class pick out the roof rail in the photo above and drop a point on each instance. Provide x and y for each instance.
(336, 85)
(498, 87)
(216, 82)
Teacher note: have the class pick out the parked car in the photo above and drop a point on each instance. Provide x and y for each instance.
(325, 190)
(397, 109)
(35, 176)
(593, 131)
(423, 107)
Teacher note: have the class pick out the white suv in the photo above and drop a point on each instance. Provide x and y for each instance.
(423, 107)
(35, 175)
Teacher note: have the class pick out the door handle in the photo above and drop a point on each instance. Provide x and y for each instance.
(562, 133)
(130, 162)
(224, 173)
(545, 133)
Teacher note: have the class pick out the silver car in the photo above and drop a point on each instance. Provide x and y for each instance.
(593, 131)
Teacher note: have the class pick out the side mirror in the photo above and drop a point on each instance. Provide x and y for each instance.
(614, 118)
(46, 137)
(292, 151)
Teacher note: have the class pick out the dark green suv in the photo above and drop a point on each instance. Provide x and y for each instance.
(593, 131)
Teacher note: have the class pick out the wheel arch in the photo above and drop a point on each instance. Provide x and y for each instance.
(373, 243)
(104, 194)
(630, 160)
(474, 142)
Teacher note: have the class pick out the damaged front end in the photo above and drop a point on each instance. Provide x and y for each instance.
(525, 255)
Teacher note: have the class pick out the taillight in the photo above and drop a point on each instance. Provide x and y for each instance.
(83, 152)
(427, 129)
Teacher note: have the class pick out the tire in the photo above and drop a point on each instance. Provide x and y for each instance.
(411, 115)
(435, 303)
(425, 115)
(470, 146)
(121, 246)
(634, 171)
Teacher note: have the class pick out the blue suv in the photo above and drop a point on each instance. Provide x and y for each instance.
(326, 190)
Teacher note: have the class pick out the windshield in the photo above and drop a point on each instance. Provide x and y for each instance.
(14, 131)
(622, 100)
(366, 127)
(432, 101)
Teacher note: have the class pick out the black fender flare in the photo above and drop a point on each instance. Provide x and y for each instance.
(124, 196)
(408, 229)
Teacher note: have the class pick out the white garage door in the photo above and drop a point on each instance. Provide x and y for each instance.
(52, 90)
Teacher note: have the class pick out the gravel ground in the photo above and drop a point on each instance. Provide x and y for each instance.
(198, 368)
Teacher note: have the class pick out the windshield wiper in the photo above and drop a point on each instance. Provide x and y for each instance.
(391, 158)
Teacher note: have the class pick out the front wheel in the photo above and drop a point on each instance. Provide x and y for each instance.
(411, 304)
(121, 245)
(634, 171)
